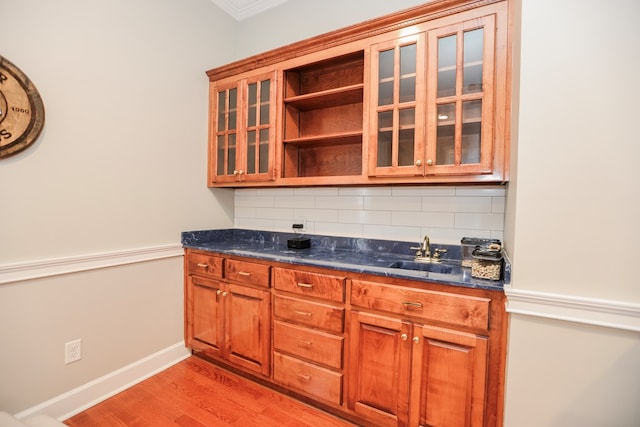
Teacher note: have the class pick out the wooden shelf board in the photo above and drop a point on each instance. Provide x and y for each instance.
(332, 139)
(328, 98)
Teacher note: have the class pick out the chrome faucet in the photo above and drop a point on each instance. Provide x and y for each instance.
(424, 251)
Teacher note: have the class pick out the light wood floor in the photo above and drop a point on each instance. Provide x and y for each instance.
(196, 393)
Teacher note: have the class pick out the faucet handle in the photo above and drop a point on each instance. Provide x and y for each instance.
(438, 252)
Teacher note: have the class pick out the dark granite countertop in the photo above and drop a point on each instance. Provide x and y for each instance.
(342, 253)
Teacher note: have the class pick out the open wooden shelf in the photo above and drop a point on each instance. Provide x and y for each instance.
(327, 98)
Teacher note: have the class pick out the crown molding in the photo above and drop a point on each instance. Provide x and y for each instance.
(242, 9)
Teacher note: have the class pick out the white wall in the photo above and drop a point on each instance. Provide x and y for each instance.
(118, 172)
(572, 214)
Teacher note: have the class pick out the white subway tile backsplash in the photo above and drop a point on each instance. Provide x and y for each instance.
(365, 217)
(497, 205)
(497, 190)
(245, 212)
(276, 213)
(365, 191)
(479, 221)
(424, 191)
(393, 203)
(254, 201)
(445, 213)
(473, 204)
(317, 215)
(404, 234)
(439, 204)
(295, 202)
(423, 219)
(335, 202)
(317, 191)
(254, 224)
(338, 229)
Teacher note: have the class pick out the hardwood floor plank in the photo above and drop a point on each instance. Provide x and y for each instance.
(196, 393)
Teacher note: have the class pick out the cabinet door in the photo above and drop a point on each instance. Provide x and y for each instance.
(242, 134)
(207, 315)
(449, 378)
(397, 107)
(224, 132)
(379, 368)
(258, 118)
(247, 328)
(460, 97)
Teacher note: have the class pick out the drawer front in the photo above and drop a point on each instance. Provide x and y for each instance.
(247, 272)
(204, 264)
(429, 305)
(314, 314)
(311, 284)
(308, 344)
(307, 378)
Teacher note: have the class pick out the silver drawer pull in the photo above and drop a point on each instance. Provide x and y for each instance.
(244, 273)
(303, 376)
(303, 313)
(412, 304)
(203, 265)
(305, 285)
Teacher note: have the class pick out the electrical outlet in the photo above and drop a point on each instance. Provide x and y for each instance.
(300, 225)
(72, 351)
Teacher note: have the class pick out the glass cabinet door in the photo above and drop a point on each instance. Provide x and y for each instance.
(460, 98)
(396, 133)
(243, 132)
(259, 129)
(226, 132)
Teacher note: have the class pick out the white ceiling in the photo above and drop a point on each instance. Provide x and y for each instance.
(241, 9)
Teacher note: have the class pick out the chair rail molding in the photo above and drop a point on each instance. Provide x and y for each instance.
(10, 273)
(592, 311)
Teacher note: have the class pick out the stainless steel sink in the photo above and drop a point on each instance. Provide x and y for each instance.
(424, 266)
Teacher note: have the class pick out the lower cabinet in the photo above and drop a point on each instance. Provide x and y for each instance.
(379, 351)
(407, 373)
(230, 321)
(308, 333)
(449, 378)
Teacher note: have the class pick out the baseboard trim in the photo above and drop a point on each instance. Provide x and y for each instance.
(10, 273)
(591, 311)
(80, 398)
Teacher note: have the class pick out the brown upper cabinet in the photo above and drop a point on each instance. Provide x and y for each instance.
(419, 96)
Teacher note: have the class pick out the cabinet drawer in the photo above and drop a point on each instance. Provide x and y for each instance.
(317, 315)
(311, 284)
(247, 272)
(431, 305)
(204, 264)
(309, 344)
(308, 378)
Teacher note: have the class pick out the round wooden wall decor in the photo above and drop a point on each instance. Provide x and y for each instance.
(21, 110)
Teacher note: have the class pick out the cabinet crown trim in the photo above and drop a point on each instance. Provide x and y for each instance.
(352, 33)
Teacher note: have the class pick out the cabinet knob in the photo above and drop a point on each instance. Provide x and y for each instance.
(203, 265)
(418, 162)
(224, 294)
(235, 172)
(218, 292)
(416, 340)
(404, 337)
(429, 162)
